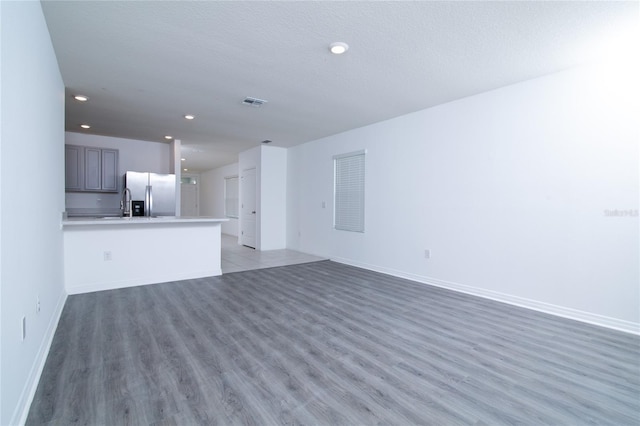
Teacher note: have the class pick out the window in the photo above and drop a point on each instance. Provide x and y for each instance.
(348, 214)
(231, 196)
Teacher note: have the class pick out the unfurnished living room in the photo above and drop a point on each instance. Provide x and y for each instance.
(319, 212)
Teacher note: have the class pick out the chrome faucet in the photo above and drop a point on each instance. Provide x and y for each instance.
(125, 203)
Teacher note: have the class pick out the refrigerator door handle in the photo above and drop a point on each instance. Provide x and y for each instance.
(149, 200)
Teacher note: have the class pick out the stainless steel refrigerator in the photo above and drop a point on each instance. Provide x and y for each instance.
(158, 191)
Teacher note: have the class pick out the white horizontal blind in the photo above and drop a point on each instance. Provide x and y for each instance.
(231, 196)
(348, 212)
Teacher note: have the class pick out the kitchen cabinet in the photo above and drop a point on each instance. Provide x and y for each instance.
(110, 170)
(74, 167)
(91, 169)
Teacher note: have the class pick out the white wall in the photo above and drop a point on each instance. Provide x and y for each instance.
(134, 155)
(32, 198)
(175, 167)
(273, 198)
(212, 196)
(508, 189)
(271, 193)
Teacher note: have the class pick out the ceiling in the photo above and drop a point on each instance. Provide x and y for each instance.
(145, 64)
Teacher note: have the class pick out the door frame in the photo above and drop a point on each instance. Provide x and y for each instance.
(195, 176)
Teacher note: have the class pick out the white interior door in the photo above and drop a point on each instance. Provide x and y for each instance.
(189, 199)
(248, 223)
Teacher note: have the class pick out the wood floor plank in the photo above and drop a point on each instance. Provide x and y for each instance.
(325, 343)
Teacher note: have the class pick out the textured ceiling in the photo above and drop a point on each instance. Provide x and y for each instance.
(144, 64)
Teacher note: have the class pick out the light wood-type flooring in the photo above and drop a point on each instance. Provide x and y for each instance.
(236, 258)
(328, 344)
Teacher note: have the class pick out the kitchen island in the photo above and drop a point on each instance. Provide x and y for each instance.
(115, 252)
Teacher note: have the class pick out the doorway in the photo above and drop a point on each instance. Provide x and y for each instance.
(189, 196)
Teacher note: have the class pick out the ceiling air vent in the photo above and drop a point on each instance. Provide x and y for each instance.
(254, 102)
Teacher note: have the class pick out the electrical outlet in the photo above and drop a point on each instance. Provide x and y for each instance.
(427, 254)
(37, 304)
(107, 255)
(324, 204)
(24, 328)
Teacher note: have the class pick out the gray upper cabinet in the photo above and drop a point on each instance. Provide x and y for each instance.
(91, 169)
(74, 167)
(110, 170)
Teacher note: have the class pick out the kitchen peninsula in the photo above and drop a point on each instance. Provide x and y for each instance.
(115, 252)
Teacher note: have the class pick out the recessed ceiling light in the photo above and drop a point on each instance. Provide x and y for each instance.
(183, 159)
(189, 117)
(338, 48)
(168, 137)
(186, 170)
(85, 126)
(81, 98)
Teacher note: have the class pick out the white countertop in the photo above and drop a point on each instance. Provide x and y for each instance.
(138, 220)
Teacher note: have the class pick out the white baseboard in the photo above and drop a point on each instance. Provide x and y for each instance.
(560, 311)
(31, 385)
(112, 285)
